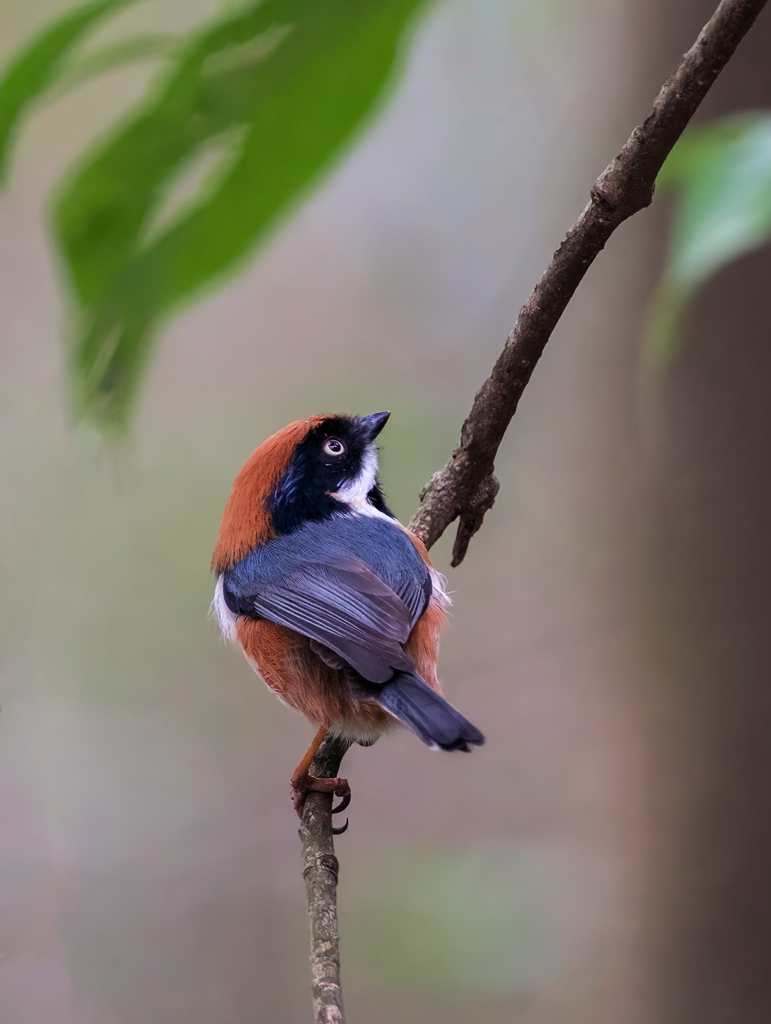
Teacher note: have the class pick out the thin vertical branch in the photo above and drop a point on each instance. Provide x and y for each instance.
(465, 488)
(320, 871)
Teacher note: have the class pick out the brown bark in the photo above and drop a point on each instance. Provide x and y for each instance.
(466, 488)
(320, 871)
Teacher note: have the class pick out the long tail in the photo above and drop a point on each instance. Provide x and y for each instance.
(427, 714)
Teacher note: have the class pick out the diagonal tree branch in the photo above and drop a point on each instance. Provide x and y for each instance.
(465, 488)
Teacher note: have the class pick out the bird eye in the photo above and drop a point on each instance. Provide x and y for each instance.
(334, 447)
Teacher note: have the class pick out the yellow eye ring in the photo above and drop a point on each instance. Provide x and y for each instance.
(333, 446)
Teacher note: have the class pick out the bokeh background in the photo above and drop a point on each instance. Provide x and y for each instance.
(605, 858)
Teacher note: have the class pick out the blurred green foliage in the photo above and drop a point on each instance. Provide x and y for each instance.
(477, 919)
(40, 65)
(722, 176)
(247, 113)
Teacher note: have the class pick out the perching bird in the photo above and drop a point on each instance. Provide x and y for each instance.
(331, 599)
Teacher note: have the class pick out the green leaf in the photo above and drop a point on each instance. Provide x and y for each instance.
(124, 51)
(255, 106)
(722, 174)
(279, 90)
(37, 67)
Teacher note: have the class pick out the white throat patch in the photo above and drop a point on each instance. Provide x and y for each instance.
(354, 492)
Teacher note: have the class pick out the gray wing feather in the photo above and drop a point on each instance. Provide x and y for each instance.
(344, 606)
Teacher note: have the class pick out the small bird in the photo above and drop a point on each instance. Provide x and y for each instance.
(334, 603)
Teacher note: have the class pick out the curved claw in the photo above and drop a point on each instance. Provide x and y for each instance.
(339, 831)
(342, 805)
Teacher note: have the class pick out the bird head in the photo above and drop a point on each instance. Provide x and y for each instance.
(305, 472)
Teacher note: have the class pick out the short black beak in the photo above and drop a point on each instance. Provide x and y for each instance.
(375, 423)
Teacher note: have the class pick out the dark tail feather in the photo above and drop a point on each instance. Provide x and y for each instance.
(427, 714)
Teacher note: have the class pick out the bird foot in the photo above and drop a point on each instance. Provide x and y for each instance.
(305, 783)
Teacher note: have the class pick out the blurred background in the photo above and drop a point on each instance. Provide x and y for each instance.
(607, 856)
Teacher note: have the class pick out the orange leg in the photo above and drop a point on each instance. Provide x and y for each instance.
(310, 753)
(302, 783)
